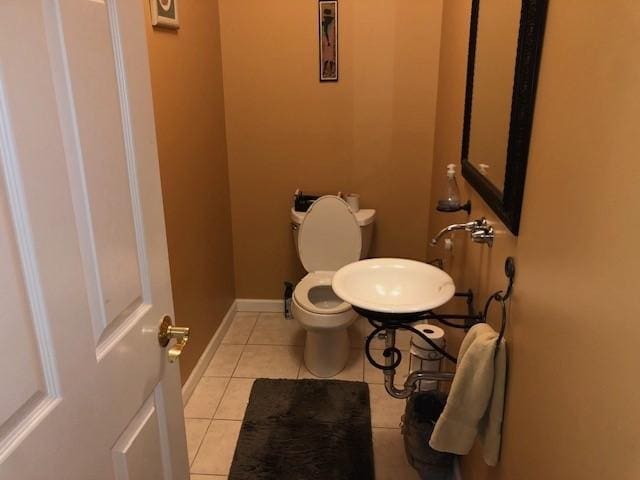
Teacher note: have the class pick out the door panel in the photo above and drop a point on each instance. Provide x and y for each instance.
(142, 451)
(28, 375)
(105, 177)
(15, 317)
(88, 392)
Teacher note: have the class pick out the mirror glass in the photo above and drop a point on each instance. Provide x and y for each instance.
(505, 47)
(495, 62)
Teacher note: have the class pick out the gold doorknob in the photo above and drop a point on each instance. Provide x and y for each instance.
(166, 332)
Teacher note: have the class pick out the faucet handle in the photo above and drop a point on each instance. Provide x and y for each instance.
(484, 233)
(471, 226)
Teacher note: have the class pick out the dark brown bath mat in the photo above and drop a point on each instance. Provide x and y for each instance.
(305, 430)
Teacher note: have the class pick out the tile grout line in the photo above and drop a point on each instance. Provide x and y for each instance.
(221, 397)
(199, 446)
(244, 346)
(255, 324)
(237, 363)
(301, 361)
(216, 353)
(218, 404)
(362, 346)
(209, 426)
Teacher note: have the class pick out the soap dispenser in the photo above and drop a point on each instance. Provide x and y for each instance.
(452, 202)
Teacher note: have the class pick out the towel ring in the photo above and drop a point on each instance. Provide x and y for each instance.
(499, 296)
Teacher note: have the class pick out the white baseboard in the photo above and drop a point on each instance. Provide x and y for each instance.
(457, 475)
(259, 305)
(197, 372)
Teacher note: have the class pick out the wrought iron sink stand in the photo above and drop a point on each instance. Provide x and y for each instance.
(388, 323)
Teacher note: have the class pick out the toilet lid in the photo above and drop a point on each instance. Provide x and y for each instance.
(329, 237)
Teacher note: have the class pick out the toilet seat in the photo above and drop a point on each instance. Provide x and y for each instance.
(314, 280)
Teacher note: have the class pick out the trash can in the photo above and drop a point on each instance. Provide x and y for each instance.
(418, 421)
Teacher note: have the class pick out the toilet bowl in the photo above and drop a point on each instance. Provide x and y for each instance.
(328, 238)
(325, 317)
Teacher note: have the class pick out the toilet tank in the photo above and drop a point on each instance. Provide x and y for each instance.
(365, 218)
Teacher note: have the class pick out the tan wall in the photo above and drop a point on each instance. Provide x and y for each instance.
(372, 132)
(572, 401)
(189, 109)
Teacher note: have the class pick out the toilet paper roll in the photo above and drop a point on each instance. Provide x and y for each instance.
(423, 356)
(420, 347)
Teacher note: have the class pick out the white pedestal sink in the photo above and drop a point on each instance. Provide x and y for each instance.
(393, 286)
(392, 293)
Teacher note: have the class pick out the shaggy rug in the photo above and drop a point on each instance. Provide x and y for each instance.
(305, 430)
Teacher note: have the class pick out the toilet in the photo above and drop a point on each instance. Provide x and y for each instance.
(328, 236)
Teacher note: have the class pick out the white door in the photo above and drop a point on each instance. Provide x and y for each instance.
(86, 391)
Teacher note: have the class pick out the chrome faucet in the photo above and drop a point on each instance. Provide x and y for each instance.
(484, 233)
(480, 230)
(469, 227)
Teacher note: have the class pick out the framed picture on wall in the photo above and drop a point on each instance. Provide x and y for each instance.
(164, 13)
(328, 28)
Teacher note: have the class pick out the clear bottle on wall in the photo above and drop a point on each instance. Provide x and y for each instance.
(452, 201)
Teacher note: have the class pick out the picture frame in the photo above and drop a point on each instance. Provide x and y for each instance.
(164, 13)
(328, 40)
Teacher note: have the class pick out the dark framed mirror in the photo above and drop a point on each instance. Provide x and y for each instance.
(505, 44)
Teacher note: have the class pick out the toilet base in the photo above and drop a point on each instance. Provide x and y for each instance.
(326, 353)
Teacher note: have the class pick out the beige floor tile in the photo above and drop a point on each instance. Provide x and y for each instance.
(217, 449)
(353, 370)
(205, 397)
(196, 428)
(374, 375)
(386, 411)
(240, 328)
(224, 361)
(390, 459)
(356, 333)
(269, 361)
(235, 399)
(274, 329)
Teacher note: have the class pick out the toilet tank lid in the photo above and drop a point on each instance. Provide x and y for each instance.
(364, 216)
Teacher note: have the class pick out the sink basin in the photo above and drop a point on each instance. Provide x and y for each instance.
(393, 285)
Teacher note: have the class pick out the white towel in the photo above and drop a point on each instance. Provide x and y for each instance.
(476, 400)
